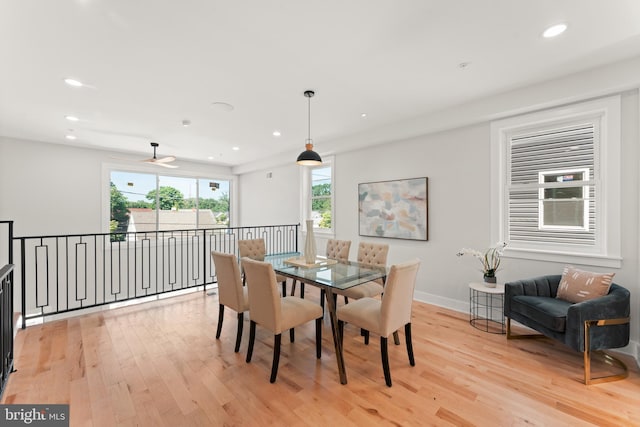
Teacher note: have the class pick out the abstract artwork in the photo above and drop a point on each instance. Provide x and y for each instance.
(395, 209)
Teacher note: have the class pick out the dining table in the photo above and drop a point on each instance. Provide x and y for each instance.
(329, 275)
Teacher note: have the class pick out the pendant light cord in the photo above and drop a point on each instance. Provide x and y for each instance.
(309, 120)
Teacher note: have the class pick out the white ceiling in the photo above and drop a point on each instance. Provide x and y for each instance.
(151, 64)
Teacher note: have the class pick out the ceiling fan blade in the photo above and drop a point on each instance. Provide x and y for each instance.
(166, 165)
(159, 163)
(167, 159)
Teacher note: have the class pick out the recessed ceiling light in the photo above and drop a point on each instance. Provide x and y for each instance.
(276, 133)
(71, 118)
(73, 82)
(554, 30)
(235, 148)
(71, 137)
(363, 115)
(222, 106)
(210, 158)
(186, 123)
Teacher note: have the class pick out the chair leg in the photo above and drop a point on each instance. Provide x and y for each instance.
(220, 319)
(396, 338)
(346, 300)
(384, 351)
(276, 357)
(365, 334)
(293, 289)
(341, 331)
(322, 300)
(239, 334)
(284, 288)
(252, 338)
(407, 335)
(292, 335)
(318, 337)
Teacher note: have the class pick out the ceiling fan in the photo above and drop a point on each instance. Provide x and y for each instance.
(164, 161)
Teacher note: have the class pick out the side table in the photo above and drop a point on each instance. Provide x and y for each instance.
(486, 307)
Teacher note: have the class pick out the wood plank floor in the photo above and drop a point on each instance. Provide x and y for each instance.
(159, 364)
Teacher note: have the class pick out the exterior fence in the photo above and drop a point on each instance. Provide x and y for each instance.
(6, 310)
(65, 273)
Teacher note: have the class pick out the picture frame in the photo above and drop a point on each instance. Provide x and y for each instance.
(396, 209)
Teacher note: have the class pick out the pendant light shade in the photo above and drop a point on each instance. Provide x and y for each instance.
(309, 157)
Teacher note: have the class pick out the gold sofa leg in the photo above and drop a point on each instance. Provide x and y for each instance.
(606, 358)
(510, 336)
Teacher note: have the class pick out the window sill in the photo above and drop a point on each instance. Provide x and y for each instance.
(323, 233)
(564, 257)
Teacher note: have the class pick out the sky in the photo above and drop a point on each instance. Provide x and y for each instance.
(135, 186)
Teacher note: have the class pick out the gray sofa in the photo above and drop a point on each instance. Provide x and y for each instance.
(601, 323)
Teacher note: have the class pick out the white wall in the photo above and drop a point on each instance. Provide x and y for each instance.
(265, 200)
(58, 189)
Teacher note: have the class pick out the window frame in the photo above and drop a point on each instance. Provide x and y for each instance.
(584, 197)
(606, 114)
(307, 195)
(108, 168)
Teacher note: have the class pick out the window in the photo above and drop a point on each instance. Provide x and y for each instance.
(564, 207)
(150, 202)
(557, 183)
(318, 192)
(321, 196)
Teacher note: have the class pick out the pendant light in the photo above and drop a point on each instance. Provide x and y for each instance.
(309, 157)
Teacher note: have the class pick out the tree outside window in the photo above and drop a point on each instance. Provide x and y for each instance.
(321, 196)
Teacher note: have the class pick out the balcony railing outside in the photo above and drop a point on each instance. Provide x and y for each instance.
(65, 273)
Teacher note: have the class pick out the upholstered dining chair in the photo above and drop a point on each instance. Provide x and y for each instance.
(231, 293)
(387, 315)
(255, 249)
(374, 254)
(274, 313)
(339, 250)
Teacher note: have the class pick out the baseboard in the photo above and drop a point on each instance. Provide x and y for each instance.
(449, 303)
(632, 349)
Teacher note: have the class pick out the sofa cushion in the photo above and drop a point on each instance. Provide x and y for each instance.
(546, 311)
(578, 285)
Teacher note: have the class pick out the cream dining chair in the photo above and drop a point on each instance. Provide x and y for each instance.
(387, 315)
(338, 250)
(374, 254)
(255, 249)
(276, 314)
(231, 293)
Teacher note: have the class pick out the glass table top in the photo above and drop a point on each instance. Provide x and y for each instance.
(340, 275)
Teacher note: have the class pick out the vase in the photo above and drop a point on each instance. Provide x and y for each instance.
(310, 251)
(490, 281)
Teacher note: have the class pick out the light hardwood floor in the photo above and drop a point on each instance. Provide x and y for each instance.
(159, 364)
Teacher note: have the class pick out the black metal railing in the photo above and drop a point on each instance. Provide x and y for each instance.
(6, 310)
(64, 273)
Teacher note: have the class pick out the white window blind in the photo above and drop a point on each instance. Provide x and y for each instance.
(551, 185)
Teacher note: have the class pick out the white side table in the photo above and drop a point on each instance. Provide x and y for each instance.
(486, 307)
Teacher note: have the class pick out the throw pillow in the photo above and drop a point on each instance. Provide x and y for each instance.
(578, 285)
